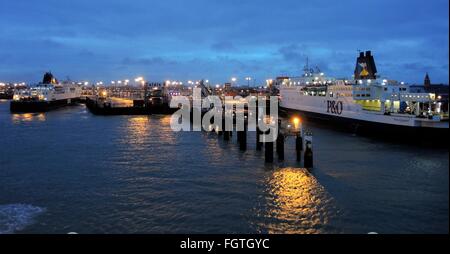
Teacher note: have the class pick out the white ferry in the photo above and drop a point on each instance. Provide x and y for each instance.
(365, 102)
(47, 95)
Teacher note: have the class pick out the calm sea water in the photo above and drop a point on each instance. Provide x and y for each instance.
(69, 171)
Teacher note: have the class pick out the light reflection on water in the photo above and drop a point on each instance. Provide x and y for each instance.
(296, 203)
(138, 130)
(28, 117)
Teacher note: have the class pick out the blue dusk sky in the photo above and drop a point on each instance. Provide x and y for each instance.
(104, 40)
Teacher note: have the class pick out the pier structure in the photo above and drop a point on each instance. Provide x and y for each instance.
(127, 100)
(288, 127)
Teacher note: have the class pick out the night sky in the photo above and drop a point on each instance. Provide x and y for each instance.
(106, 40)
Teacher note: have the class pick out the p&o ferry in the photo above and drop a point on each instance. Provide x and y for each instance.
(366, 103)
(47, 95)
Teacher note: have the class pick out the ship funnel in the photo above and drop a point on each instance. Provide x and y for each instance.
(365, 66)
(49, 78)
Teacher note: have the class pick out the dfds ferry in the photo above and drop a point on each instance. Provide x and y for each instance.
(365, 103)
(47, 95)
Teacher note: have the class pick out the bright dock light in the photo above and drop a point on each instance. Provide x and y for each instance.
(296, 121)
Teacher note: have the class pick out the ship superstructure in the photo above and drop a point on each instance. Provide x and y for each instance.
(365, 100)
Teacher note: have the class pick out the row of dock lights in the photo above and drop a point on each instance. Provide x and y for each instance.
(142, 81)
(175, 83)
(15, 84)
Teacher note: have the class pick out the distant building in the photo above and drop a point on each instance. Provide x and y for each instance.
(441, 90)
(227, 87)
(427, 82)
(152, 85)
(279, 81)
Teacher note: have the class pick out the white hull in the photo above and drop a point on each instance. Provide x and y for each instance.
(346, 107)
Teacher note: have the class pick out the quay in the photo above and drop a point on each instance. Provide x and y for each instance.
(124, 106)
(116, 106)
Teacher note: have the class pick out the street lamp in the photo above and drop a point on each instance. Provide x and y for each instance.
(233, 81)
(248, 81)
(140, 80)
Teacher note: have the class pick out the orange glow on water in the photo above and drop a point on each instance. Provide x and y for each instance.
(297, 203)
(28, 117)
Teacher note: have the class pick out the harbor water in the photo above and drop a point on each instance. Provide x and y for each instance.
(70, 171)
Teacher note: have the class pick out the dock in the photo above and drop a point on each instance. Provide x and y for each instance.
(125, 106)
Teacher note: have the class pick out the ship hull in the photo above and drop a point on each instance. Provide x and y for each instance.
(39, 106)
(372, 129)
(6, 96)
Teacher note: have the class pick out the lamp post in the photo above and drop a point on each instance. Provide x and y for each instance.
(233, 81)
(248, 81)
(141, 80)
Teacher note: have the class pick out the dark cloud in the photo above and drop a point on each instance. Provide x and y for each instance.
(86, 53)
(223, 46)
(292, 53)
(147, 61)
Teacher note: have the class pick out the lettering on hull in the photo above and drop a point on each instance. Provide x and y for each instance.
(335, 107)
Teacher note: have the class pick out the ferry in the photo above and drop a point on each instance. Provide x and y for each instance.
(365, 103)
(5, 93)
(47, 95)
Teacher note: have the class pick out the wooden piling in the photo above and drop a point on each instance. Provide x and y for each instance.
(280, 146)
(269, 152)
(243, 142)
(259, 144)
(299, 147)
(309, 160)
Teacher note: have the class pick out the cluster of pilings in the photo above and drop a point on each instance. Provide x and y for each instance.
(303, 144)
(303, 140)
